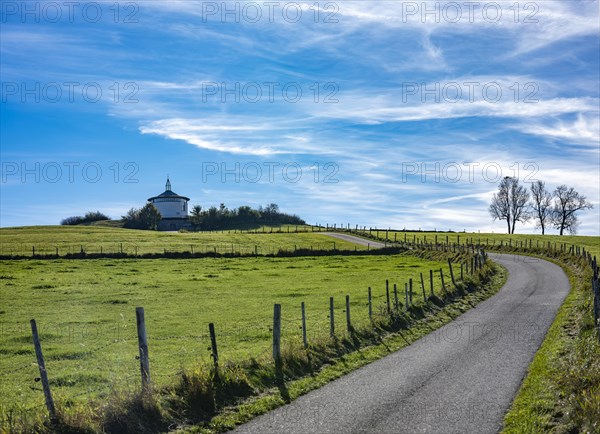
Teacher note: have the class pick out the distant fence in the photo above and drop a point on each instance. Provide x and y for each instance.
(177, 249)
(387, 303)
(208, 252)
(548, 248)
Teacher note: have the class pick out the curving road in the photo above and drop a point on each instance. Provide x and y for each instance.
(355, 240)
(461, 378)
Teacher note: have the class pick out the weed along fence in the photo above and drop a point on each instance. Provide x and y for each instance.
(341, 323)
(596, 288)
(120, 250)
(228, 250)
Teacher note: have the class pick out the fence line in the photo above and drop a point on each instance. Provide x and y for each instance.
(473, 265)
(284, 325)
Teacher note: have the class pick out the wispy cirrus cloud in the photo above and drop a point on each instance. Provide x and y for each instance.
(243, 135)
(378, 110)
(584, 130)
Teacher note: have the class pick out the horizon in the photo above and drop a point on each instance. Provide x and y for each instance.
(383, 114)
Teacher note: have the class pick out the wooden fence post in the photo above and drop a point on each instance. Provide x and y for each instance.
(396, 304)
(442, 278)
(595, 307)
(387, 295)
(431, 281)
(277, 341)
(143, 347)
(43, 372)
(348, 323)
(451, 272)
(405, 296)
(304, 340)
(370, 306)
(213, 345)
(423, 288)
(331, 320)
(410, 291)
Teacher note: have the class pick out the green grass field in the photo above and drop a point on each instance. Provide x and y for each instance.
(85, 311)
(70, 239)
(591, 243)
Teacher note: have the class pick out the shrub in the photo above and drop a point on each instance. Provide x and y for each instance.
(90, 216)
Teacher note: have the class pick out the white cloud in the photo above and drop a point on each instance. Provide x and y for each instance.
(251, 135)
(534, 24)
(362, 108)
(585, 130)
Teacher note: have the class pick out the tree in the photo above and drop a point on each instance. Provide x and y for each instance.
(246, 215)
(270, 213)
(500, 206)
(150, 217)
(567, 202)
(510, 203)
(519, 198)
(196, 215)
(541, 204)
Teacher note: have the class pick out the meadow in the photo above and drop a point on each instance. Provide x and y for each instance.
(591, 243)
(85, 311)
(95, 239)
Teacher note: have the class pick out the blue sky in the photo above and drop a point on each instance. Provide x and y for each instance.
(401, 114)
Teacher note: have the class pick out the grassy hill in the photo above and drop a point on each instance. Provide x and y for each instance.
(71, 239)
(85, 311)
(591, 243)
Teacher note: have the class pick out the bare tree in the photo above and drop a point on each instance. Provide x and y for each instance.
(510, 203)
(500, 206)
(541, 204)
(567, 202)
(519, 198)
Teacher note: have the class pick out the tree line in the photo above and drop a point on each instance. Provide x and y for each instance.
(89, 217)
(215, 218)
(514, 203)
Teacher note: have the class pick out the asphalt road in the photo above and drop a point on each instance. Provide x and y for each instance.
(355, 240)
(461, 378)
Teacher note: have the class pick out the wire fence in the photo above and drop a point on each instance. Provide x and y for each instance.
(85, 371)
(88, 366)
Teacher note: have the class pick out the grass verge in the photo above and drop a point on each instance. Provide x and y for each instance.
(561, 392)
